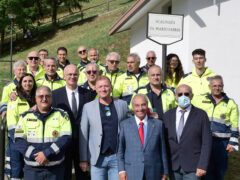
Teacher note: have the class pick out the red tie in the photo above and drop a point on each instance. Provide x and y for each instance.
(141, 132)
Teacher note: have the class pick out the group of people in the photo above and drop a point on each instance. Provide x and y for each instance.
(130, 125)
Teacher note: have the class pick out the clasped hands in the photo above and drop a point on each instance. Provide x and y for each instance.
(41, 158)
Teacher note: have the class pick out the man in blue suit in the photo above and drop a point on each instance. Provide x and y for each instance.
(141, 153)
(188, 137)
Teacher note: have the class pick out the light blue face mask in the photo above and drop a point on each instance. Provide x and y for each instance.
(184, 101)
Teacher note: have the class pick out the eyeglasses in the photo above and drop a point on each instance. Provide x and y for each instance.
(42, 96)
(33, 58)
(108, 111)
(185, 94)
(82, 52)
(113, 61)
(89, 72)
(149, 58)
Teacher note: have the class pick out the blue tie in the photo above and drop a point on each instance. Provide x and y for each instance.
(181, 125)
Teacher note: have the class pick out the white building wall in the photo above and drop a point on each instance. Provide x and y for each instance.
(212, 27)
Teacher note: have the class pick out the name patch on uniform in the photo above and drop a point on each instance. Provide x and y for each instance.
(29, 119)
(22, 104)
(19, 131)
(55, 133)
(209, 102)
(128, 78)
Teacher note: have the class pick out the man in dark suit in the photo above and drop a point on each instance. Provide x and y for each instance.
(188, 137)
(71, 99)
(142, 153)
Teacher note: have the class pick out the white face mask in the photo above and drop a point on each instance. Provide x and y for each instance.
(184, 101)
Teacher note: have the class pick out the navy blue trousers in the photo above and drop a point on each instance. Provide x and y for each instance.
(14, 161)
(44, 173)
(219, 160)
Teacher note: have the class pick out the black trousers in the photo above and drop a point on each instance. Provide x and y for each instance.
(72, 158)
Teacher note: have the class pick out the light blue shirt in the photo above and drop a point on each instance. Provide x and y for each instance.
(144, 125)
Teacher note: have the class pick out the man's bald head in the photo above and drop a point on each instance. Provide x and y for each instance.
(70, 68)
(32, 54)
(71, 75)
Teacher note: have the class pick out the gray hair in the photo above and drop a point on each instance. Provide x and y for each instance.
(93, 49)
(217, 77)
(135, 55)
(113, 54)
(19, 63)
(44, 88)
(154, 66)
(189, 87)
(140, 95)
(50, 57)
(92, 64)
(151, 52)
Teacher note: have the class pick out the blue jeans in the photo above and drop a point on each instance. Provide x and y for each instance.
(181, 175)
(106, 166)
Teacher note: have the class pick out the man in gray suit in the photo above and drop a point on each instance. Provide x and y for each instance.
(99, 131)
(142, 152)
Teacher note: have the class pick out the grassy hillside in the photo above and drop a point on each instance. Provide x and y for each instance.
(92, 32)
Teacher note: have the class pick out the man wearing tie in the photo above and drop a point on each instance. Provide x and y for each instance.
(71, 98)
(188, 137)
(142, 153)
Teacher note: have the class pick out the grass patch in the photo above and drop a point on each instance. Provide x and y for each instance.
(91, 33)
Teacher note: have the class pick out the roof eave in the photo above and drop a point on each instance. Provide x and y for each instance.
(127, 15)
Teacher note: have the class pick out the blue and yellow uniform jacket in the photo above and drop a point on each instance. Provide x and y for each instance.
(49, 133)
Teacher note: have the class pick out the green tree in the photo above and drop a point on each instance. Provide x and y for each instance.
(26, 12)
(4, 21)
(55, 4)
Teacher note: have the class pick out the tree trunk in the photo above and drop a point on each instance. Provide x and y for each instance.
(54, 13)
(2, 41)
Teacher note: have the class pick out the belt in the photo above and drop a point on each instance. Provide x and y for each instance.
(108, 153)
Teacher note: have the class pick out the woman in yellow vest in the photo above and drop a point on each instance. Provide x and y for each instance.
(174, 71)
(26, 89)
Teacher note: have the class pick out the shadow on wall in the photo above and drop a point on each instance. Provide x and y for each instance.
(201, 5)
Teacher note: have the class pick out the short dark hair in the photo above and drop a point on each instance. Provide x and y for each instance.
(62, 48)
(199, 51)
(45, 50)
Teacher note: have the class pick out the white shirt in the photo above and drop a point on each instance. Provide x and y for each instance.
(69, 96)
(179, 114)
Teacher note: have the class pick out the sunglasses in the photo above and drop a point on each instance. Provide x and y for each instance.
(33, 58)
(149, 58)
(108, 111)
(113, 61)
(89, 72)
(82, 52)
(42, 96)
(185, 94)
